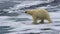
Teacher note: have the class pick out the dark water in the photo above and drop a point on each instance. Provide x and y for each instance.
(5, 29)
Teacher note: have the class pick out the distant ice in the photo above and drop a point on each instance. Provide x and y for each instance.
(30, 3)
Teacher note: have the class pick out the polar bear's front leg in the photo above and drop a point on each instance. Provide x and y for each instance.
(34, 20)
(42, 21)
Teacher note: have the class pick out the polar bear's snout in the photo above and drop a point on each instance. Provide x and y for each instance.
(25, 11)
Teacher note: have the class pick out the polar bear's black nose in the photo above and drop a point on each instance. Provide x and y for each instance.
(25, 11)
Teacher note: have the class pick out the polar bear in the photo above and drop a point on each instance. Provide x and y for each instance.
(39, 14)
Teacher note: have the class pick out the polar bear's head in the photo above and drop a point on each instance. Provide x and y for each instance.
(29, 12)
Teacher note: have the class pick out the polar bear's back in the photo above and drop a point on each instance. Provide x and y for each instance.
(41, 13)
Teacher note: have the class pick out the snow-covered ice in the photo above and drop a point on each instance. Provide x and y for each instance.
(21, 27)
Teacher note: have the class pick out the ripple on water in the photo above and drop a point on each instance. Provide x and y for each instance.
(5, 29)
(19, 19)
